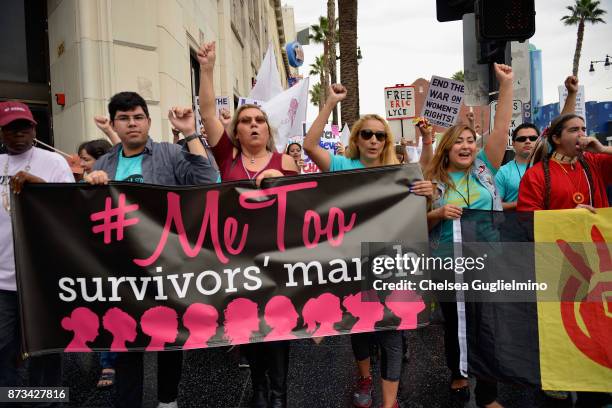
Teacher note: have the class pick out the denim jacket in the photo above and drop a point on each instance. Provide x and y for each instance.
(164, 164)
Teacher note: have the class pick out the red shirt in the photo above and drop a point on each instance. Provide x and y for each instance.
(233, 168)
(565, 183)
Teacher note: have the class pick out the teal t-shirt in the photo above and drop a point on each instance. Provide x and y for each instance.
(339, 162)
(129, 168)
(508, 179)
(468, 193)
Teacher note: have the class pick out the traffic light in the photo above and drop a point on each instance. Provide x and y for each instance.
(505, 20)
(451, 10)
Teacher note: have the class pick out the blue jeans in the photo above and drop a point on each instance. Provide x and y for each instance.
(107, 359)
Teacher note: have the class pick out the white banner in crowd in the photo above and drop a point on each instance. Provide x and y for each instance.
(268, 83)
(243, 101)
(287, 111)
(345, 135)
(329, 141)
(443, 101)
(399, 111)
(580, 101)
(221, 102)
(517, 119)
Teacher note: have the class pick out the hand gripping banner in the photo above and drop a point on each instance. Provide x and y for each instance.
(142, 267)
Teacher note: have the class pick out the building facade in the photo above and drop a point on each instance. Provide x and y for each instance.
(94, 48)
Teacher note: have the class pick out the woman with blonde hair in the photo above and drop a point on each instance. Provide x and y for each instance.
(465, 178)
(371, 144)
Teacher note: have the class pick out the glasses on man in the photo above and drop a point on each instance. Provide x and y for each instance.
(128, 119)
(246, 120)
(523, 139)
(366, 134)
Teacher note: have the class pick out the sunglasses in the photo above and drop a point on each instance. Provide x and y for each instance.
(366, 134)
(523, 139)
(246, 120)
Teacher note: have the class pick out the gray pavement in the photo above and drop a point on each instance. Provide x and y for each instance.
(319, 376)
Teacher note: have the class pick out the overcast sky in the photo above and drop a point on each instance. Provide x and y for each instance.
(402, 41)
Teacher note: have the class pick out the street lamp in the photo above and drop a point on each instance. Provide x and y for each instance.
(606, 63)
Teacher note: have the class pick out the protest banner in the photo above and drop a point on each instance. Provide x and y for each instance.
(329, 141)
(399, 111)
(244, 101)
(443, 101)
(146, 267)
(221, 102)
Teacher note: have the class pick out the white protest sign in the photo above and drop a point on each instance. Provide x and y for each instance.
(517, 119)
(443, 101)
(345, 135)
(221, 102)
(249, 101)
(580, 101)
(329, 141)
(399, 110)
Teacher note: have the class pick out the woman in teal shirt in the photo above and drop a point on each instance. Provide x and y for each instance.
(371, 144)
(465, 178)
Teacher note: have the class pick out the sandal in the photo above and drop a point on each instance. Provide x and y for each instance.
(107, 378)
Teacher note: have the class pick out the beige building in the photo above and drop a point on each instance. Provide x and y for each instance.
(99, 47)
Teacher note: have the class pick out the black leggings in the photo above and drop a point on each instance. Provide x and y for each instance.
(390, 343)
(485, 391)
(271, 358)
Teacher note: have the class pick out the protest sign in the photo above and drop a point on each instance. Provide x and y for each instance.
(329, 141)
(220, 103)
(517, 119)
(399, 110)
(144, 267)
(443, 101)
(580, 101)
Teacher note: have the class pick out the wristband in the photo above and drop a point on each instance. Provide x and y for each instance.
(191, 137)
(425, 143)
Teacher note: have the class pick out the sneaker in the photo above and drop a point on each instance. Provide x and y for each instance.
(362, 398)
(167, 405)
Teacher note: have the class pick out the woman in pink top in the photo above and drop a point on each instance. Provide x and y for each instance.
(248, 151)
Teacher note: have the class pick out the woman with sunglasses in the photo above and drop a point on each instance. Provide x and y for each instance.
(465, 179)
(371, 144)
(248, 152)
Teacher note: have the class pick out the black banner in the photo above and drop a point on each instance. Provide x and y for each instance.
(132, 267)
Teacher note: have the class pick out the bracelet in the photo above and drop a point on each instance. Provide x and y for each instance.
(191, 137)
(427, 143)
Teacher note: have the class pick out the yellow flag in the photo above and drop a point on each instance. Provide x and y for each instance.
(575, 336)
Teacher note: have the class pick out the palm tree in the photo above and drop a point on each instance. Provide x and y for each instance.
(331, 48)
(315, 95)
(347, 13)
(458, 76)
(319, 36)
(582, 11)
(318, 68)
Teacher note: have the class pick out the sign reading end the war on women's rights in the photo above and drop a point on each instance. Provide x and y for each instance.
(443, 101)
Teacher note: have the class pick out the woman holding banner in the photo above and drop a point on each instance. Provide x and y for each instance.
(465, 179)
(248, 152)
(371, 144)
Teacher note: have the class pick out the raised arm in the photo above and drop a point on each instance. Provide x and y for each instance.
(214, 128)
(184, 120)
(498, 139)
(571, 84)
(427, 135)
(319, 155)
(103, 123)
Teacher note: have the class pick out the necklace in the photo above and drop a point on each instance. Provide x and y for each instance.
(517, 170)
(252, 159)
(577, 196)
(565, 159)
(466, 201)
(248, 173)
(6, 202)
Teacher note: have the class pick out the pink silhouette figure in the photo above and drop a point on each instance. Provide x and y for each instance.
(324, 310)
(241, 320)
(85, 324)
(293, 108)
(281, 316)
(121, 325)
(405, 304)
(366, 307)
(201, 321)
(161, 323)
